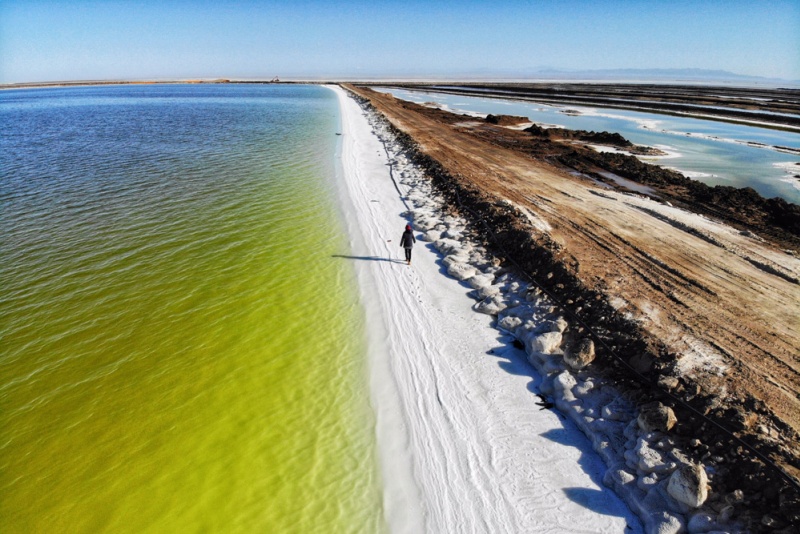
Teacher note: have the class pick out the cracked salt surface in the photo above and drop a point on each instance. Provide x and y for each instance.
(464, 446)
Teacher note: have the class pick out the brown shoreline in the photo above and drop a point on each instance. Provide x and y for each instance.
(661, 291)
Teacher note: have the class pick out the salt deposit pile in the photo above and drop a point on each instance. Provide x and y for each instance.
(646, 465)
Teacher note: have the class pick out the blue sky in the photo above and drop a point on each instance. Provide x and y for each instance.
(81, 39)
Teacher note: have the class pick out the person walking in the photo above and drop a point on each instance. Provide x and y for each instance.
(407, 241)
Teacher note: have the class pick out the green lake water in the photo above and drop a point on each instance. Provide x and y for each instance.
(181, 350)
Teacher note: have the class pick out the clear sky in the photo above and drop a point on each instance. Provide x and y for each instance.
(89, 40)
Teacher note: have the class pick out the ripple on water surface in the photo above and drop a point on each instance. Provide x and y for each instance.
(180, 349)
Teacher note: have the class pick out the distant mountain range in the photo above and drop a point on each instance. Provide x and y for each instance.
(657, 74)
(698, 76)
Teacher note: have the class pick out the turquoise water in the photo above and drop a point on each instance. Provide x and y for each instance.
(180, 350)
(713, 152)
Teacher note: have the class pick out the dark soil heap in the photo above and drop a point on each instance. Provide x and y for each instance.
(506, 120)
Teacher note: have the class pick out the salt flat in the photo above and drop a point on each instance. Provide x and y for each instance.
(463, 447)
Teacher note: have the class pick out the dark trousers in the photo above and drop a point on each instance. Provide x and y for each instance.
(408, 254)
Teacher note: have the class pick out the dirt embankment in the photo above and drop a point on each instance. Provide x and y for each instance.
(610, 139)
(741, 207)
(698, 310)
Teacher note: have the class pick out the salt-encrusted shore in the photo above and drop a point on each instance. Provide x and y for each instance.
(464, 446)
(644, 464)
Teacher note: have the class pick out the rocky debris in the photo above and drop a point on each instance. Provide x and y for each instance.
(546, 343)
(581, 354)
(642, 458)
(655, 417)
(689, 485)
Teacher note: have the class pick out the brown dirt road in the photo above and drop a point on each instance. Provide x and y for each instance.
(725, 304)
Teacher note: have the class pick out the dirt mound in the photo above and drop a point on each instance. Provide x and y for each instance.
(506, 120)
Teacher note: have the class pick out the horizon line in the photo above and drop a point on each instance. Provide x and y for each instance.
(733, 80)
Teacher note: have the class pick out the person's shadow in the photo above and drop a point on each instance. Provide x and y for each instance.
(367, 258)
